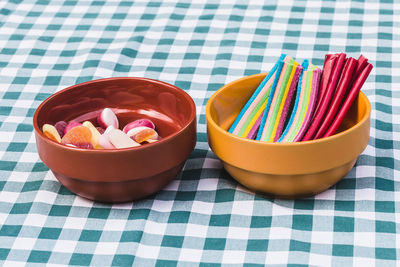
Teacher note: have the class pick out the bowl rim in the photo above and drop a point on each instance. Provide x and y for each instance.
(115, 150)
(280, 144)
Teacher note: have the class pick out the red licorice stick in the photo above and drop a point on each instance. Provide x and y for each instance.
(319, 115)
(362, 62)
(355, 89)
(329, 63)
(341, 90)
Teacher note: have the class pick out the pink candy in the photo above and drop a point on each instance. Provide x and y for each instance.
(107, 118)
(139, 123)
(71, 125)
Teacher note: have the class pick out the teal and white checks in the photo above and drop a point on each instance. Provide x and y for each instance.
(203, 217)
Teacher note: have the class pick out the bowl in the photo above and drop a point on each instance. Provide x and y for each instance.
(119, 175)
(285, 170)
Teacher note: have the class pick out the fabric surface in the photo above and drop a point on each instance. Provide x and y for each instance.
(203, 216)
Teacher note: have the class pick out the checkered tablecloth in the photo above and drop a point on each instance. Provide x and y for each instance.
(203, 217)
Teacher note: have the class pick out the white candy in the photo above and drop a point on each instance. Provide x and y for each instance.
(104, 141)
(120, 140)
(107, 118)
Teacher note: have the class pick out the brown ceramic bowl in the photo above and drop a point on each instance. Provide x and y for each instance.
(119, 175)
(285, 170)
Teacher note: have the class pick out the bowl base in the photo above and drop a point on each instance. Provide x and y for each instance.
(289, 186)
(118, 192)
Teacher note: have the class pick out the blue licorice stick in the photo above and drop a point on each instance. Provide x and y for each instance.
(296, 103)
(270, 97)
(255, 94)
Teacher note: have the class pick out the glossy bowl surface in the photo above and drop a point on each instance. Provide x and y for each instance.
(119, 175)
(286, 170)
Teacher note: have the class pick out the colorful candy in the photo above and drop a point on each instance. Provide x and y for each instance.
(275, 115)
(278, 112)
(87, 135)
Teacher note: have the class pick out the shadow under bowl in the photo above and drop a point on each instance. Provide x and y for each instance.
(119, 175)
(285, 170)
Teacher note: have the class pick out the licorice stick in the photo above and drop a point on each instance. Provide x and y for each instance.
(361, 64)
(270, 98)
(253, 131)
(255, 94)
(320, 113)
(281, 103)
(267, 129)
(256, 107)
(354, 91)
(295, 110)
(286, 106)
(311, 105)
(329, 63)
(305, 87)
(342, 88)
(253, 118)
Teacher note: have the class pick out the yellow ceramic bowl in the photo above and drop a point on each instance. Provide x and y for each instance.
(283, 169)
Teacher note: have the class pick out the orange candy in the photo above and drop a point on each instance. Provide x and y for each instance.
(79, 136)
(51, 132)
(145, 135)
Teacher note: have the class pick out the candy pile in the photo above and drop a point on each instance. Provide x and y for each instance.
(300, 102)
(105, 136)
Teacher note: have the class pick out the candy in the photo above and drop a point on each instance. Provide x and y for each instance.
(305, 104)
(119, 139)
(288, 77)
(285, 105)
(256, 101)
(71, 125)
(95, 134)
(107, 118)
(138, 123)
(270, 99)
(89, 136)
(101, 130)
(355, 89)
(104, 141)
(345, 79)
(51, 132)
(60, 126)
(134, 131)
(79, 136)
(321, 111)
(145, 135)
(312, 102)
(317, 109)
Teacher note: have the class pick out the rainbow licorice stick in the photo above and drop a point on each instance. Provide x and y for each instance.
(316, 76)
(306, 105)
(287, 78)
(285, 105)
(256, 101)
(297, 104)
